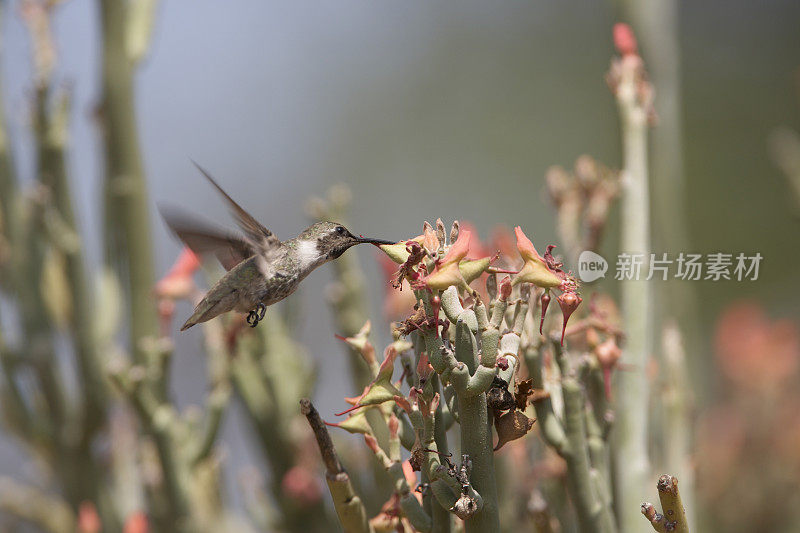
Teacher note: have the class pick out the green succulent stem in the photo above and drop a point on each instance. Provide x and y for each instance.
(571, 439)
(348, 505)
(128, 242)
(673, 515)
(631, 458)
(440, 517)
(476, 435)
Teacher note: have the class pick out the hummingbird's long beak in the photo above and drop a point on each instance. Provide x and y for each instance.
(376, 242)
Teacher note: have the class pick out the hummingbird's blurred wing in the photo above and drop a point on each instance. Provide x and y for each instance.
(203, 238)
(263, 241)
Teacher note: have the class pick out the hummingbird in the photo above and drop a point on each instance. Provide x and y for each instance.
(261, 270)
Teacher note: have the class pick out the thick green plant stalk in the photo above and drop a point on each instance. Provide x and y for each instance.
(476, 435)
(586, 484)
(79, 473)
(8, 189)
(471, 371)
(631, 460)
(51, 133)
(349, 507)
(127, 214)
(672, 517)
(657, 25)
(186, 499)
(44, 510)
(15, 409)
(430, 432)
(678, 404)
(44, 262)
(436, 438)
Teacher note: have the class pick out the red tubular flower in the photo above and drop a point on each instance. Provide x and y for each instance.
(372, 443)
(424, 368)
(300, 484)
(608, 355)
(394, 426)
(569, 302)
(505, 288)
(403, 402)
(411, 478)
(624, 40)
(545, 304)
(136, 523)
(178, 283)
(88, 519)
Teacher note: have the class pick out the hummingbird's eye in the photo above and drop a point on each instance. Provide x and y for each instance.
(340, 230)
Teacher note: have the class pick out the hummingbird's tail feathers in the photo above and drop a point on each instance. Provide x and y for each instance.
(196, 318)
(189, 323)
(203, 237)
(218, 300)
(199, 315)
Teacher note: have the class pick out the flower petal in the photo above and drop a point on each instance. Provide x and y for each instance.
(525, 246)
(459, 249)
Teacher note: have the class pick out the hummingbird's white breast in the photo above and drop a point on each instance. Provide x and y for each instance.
(307, 254)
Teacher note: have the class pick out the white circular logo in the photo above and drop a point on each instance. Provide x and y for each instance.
(591, 266)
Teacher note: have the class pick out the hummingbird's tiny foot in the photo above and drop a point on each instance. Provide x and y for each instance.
(256, 315)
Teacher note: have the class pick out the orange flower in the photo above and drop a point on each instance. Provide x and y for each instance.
(502, 241)
(360, 342)
(300, 484)
(535, 269)
(459, 249)
(525, 246)
(178, 283)
(398, 252)
(755, 352)
(88, 519)
(624, 40)
(608, 354)
(136, 523)
(411, 478)
(447, 272)
(381, 388)
(443, 277)
(476, 247)
(429, 239)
